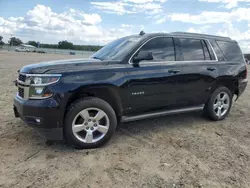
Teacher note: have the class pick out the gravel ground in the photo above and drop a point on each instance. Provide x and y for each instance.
(174, 151)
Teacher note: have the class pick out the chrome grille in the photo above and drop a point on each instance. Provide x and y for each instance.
(20, 92)
(22, 77)
(23, 86)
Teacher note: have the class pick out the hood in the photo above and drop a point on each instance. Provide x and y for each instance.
(56, 67)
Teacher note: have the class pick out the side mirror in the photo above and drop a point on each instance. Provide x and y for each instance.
(142, 55)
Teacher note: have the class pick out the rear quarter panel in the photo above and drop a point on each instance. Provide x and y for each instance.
(231, 71)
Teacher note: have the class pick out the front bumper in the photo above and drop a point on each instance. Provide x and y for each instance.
(43, 115)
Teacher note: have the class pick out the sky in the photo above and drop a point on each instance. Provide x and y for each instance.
(101, 21)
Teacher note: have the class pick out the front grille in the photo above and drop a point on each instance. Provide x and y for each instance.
(22, 77)
(23, 86)
(20, 92)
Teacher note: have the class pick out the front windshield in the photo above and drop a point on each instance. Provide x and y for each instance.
(117, 49)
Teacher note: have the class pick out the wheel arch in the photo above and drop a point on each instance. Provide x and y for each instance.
(106, 92)
(230, 82)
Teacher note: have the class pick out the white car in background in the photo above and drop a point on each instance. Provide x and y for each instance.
(22, 49)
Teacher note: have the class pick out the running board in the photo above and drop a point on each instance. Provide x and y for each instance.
(161, 113)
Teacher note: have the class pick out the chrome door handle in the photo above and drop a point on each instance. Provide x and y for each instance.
(211, 68)
(173, 71)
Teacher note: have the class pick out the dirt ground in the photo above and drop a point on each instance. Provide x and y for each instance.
(174, 151)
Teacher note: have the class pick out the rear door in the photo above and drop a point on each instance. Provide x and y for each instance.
(199, 70)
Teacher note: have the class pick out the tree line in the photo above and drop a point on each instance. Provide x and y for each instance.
(13, 41)
(247, 56)
(66, 45)
(1, 40)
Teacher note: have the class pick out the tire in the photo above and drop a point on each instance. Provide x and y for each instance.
(214, 105)
(102, 130)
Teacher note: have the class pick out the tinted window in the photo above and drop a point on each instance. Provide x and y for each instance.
(217, 50)
(192, 49)
(230, 50)
(162, 49)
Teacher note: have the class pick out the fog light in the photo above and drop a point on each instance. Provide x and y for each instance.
(33, 120)
(38, 120)
(38, 90)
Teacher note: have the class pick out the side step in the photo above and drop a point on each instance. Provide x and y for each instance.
(161, 113)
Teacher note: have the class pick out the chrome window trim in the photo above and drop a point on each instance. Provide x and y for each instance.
(215, 55)
(130, 62)
(162, 62)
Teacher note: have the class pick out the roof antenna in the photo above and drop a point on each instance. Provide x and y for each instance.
(142, 33)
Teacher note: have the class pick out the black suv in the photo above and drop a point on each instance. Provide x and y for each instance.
(132, 78)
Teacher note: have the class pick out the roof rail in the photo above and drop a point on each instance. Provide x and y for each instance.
(198, 34)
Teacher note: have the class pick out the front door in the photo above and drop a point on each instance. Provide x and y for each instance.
(155, 84)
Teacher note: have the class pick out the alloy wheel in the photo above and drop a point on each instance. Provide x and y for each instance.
(90, 125)
(221, 104)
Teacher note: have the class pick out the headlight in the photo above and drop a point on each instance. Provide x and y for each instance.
(44, 80)
(38, 85)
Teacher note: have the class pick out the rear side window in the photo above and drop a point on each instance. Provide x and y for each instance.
(231, 50)
(162, 49)
(195, 49)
